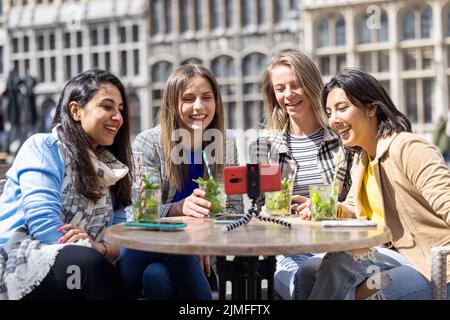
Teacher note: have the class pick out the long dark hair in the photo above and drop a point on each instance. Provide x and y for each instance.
(364, 91)
(81, 89)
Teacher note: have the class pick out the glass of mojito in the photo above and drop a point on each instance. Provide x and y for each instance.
(215, 194)
(323, 202)
(278, 203)
(146, 197)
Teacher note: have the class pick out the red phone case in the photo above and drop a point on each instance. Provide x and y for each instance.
(236, 178)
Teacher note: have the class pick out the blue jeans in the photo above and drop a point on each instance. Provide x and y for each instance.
(286, 269)
(338, 275)
(160, 276)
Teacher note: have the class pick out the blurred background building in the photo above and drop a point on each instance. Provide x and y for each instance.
(405, 44)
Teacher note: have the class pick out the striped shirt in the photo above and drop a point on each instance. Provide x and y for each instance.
(304, 150)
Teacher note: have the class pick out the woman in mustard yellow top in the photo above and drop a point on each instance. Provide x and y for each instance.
(399, 179)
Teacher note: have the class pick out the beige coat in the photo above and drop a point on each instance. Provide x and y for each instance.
(415, 191)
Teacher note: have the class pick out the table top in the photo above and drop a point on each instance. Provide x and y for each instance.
(205, 237)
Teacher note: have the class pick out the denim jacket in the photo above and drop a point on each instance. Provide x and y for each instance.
(32, 193)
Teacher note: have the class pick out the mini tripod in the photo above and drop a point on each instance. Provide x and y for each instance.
(254, 192)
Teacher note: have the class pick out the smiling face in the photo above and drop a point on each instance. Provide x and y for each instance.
(289, 95)
(357, 126)
(197, 104)
(101, 118)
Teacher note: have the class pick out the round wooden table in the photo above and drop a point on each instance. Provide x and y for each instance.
(205, 237)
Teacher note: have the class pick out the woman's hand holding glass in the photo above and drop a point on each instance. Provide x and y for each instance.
(195, 205)
(302, 208)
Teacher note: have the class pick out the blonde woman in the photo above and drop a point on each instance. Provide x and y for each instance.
(191, 125)
(300, 140)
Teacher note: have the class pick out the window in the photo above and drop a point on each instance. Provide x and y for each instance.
(52, 41)
(340, 32)
(122, 34)
(155, 16)
(66, 40)
(53, 69)
(79, 39)
(168, 16)
(280, 11)
(123, 63)
(184, 15)
(332, 64)
(261, 12)
(41, 69)
(94, 36)
(374, 61)
(417, 58)
(383, 61)
(224, 69)
(40, 42)
(376, 33)
(160, 73)
(425, 23)
(324, 34)
(247, 12)
(26, 44)
(198, 15)
(253, 66)
(106, 39)
(409, 25)
(136, 62)
(419, 97)
(107, 61)
(215, 14)
(135, 33)
(324, 63)
(15, 45)
(417, 23)
(229, 14)
(68, 67)
(365, 61)
(135, 116)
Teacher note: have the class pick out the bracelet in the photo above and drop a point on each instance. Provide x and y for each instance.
(106, 249)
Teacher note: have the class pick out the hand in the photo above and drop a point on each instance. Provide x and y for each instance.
(195, 205)
(303, 210)
(205, 264)
(74, 234)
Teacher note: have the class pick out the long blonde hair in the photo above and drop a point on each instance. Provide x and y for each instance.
(171, 120)
(308, 77)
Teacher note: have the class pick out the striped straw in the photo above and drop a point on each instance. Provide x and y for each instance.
(207, 165)
(141, 184)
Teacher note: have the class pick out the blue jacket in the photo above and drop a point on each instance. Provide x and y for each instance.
(32, 193)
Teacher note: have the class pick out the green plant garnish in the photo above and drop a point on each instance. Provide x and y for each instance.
(151, 202)
(323, 208)
(279, 202)
(213, 194)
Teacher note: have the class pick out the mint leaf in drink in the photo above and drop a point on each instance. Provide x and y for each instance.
(214, 194)
(279, 202)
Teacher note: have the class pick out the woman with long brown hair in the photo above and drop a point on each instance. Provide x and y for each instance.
(191, 128)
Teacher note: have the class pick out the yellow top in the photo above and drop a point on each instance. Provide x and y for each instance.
(370, 196)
